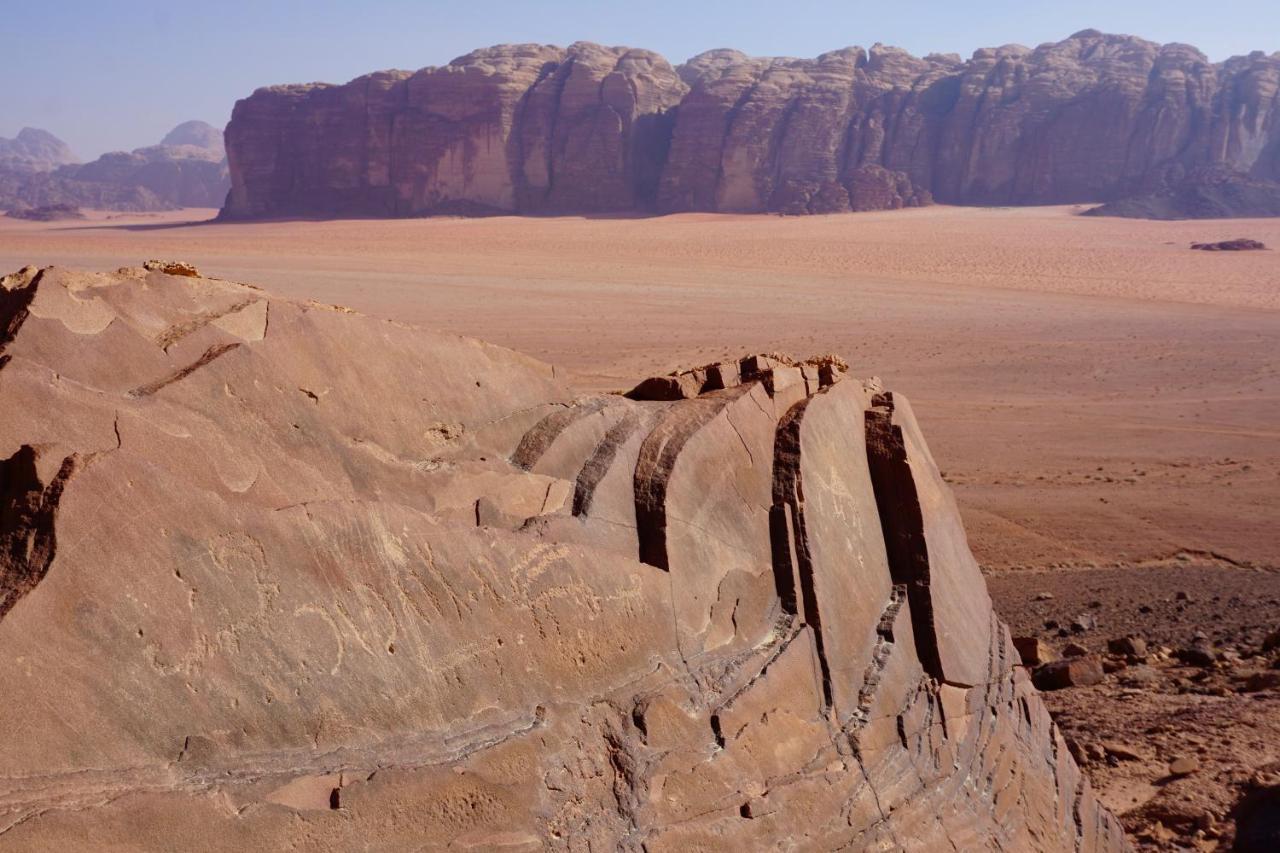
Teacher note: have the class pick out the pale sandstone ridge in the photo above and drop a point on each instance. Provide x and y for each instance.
(535, 129)
(275, 574)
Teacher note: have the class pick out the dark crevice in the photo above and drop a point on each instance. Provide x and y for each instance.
(544, 433)
(15, 305)
(793, 570)
(600, 461)
(902, 524)
(28, 511)
(657, 460)
(210, 354)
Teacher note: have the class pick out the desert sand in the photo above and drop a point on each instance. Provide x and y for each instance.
(1097, 393)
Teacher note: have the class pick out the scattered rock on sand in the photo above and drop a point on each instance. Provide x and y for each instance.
(1240, 244)
(1184, 766)
(47, 213)
(172, 268)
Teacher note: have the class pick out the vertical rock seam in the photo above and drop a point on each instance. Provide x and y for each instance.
(902, 524)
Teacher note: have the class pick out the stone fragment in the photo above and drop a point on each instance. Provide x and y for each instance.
(1184, 766)
(1071, 672)
(1034, 651)
(1131, 646)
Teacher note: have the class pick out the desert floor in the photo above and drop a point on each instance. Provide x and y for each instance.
(1098, 393)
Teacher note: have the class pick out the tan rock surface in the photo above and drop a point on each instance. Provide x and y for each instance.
(252, 600)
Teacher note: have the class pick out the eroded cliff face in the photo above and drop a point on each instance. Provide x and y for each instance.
(533, 129)
(524, 127)
(274, 574)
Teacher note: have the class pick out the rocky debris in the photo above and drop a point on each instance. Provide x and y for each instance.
(1199, 653)
(1163, 708)
(1070, 672)
(288, 569)
(1240, 244)
(538, 129)
(1184, 766)
(48, 213)
(172, 268)
(1205, 193)
(188, 169)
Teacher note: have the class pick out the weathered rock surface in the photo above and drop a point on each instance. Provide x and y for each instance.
(187, 169)
(535, 129)
(274, 574)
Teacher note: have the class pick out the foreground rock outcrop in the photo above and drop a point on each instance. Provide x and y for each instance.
(187, 169)
(537, 129)
(275, 574)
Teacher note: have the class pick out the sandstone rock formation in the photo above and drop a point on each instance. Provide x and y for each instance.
(188, 169)
(274, 574)
(533, 129)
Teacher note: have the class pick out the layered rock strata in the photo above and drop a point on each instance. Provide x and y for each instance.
(274, 574)
(536, 129)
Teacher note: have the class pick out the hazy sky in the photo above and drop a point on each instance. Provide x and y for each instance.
(117, 74)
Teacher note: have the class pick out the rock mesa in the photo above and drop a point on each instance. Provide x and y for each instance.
(536, 129)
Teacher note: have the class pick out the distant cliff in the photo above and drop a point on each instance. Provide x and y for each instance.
(534, 129)
(187, 169)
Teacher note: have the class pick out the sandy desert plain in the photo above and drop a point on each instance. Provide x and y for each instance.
(1104, 401)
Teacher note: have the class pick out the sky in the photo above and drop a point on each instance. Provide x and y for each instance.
(108, 75)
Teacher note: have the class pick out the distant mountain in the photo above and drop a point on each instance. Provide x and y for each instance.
(34, 150)
(536, 129)
(197, 134)
(187, 169)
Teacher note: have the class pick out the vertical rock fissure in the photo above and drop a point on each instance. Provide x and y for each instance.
(601, 460)
(16, 293)
(656, 462)
(902, 524)
(28, 510)
(795, 585)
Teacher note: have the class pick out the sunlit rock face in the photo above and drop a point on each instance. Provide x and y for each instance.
(274, 574)
(536, 129)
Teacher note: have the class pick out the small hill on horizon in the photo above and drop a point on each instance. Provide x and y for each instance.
(188, 168)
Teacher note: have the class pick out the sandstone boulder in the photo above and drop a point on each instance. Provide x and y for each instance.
(274, 574)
